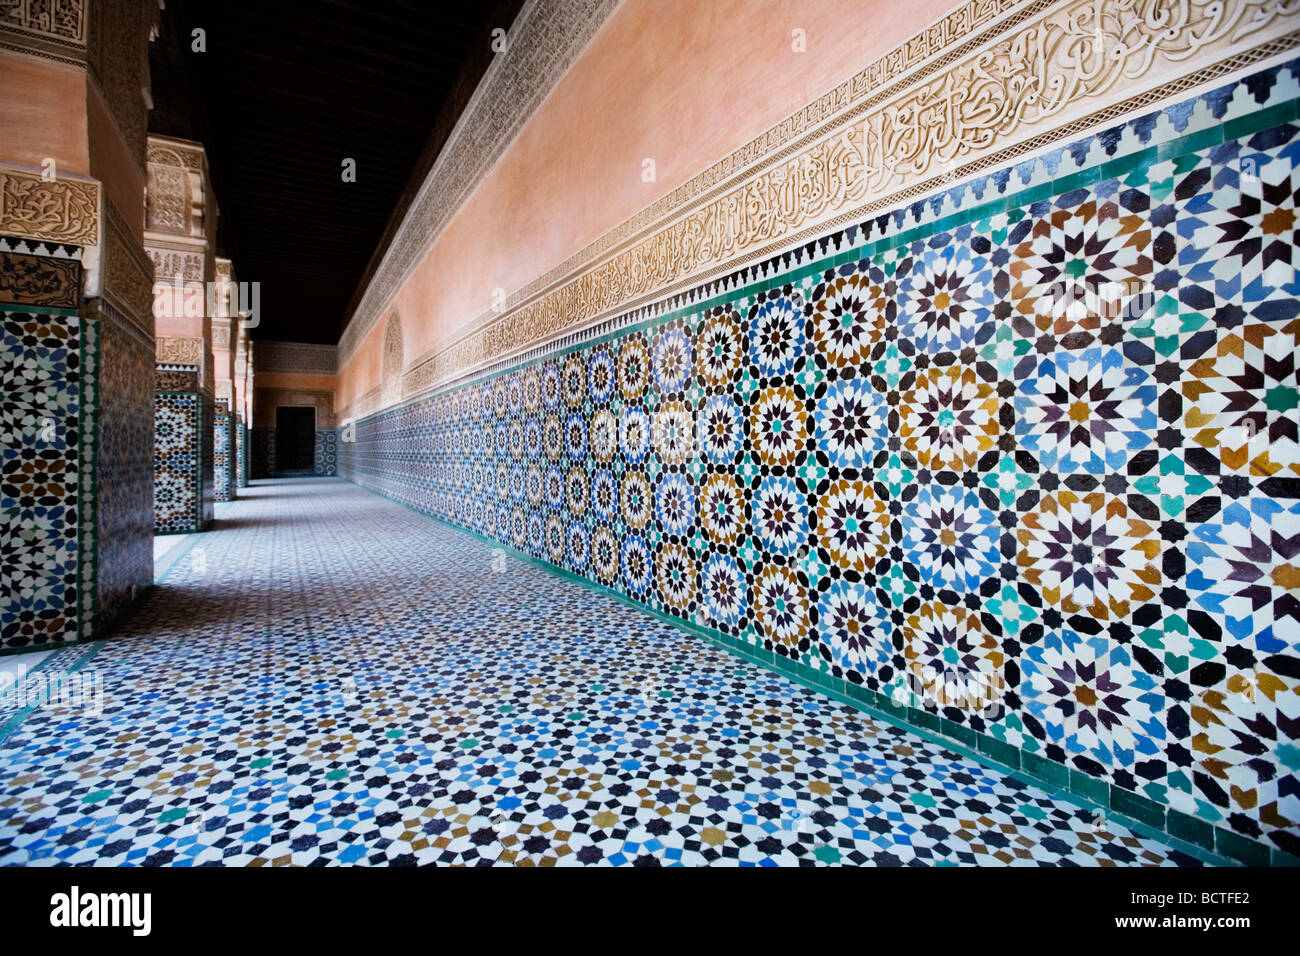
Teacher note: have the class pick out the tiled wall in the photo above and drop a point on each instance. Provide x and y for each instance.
(241, 455)
(178, 491)
(125, 465)
(207, 464)
(47, 422)
(75, 399)
(223, 435)
(1017, 462)
(263, 464)
(262, 456)
(327, 451)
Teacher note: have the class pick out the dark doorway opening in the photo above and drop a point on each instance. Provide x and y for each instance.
(295, 440)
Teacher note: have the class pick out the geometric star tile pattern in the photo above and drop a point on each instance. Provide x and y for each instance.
(223, 433)
(46, 380)
(332, 680)
(1034, 445)
(178, 481)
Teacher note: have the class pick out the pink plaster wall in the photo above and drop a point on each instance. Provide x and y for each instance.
(302, 380)
(180, 315)
(53, 110)
(364, 370)
(43, 113)
(112, 163)
(683, 82)
(223, 364)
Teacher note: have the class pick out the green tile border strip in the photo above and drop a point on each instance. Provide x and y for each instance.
(48, 651)
(1197, 838)
(35, 309)
(200, 466)
(85, 477)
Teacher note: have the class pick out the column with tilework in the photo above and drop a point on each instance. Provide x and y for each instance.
(78, 330)
(180, 230)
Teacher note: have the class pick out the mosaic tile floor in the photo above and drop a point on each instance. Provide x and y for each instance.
(328, 678)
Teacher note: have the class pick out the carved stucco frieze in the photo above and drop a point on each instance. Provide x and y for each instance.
(179, 350)
(64, 19)
(176, 187)
(60, 210)
(434, 206)
(175, 153)
(128, 271)
(169, 263)
(302, 357)
(959, 31)
(40, 274)
(1049, 64)
(54, 29)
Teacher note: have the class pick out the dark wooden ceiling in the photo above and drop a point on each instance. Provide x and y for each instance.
(285, 91)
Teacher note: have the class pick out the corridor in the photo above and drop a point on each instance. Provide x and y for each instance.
(328, 678)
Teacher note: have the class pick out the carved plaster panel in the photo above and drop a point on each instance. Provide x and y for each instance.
(179, 350)
(118, 57)
(128, 272)
(169, 263)
(62, 210)
(54, 29)
(221, 333)
(301, 357)
(393, 359)
(176, 188)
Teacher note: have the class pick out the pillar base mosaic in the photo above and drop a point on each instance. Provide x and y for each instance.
(223, 470)
(48, 409)
(124, 463)
(179, 482)
(241, 454)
